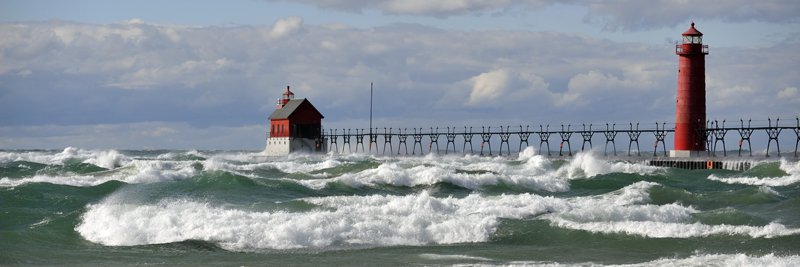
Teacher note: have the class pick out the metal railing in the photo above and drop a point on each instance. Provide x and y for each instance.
(714, 133)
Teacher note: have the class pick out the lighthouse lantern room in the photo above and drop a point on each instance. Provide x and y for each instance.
(690, 109)
(295, 125)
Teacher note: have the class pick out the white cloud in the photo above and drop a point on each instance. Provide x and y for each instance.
(488, 86)
(142, 135)
(207, 77)
(639, 15)
(596, 88)
(25, 73)
(629, 15)
(159, 131)
(497, 88)
(286, 26)
(790, 94)
(441, 8)
(189, 73)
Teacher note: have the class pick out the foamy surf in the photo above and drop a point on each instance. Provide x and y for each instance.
(728, 260)
(474, 172)
(379, 210)
(411, 220)
(627, 211)
(108, 159)
(386, 220)
(136, 172)
(792, 176)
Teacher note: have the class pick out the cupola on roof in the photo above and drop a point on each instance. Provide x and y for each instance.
(287, 91)
(692, 31)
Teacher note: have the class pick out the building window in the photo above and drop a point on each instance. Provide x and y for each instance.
(273, 129)
(693, 39)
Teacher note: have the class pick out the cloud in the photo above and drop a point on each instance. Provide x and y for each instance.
(488, 86)
(189, 73)
(633, 15)
(629, 15)
(286, 26)
(200, 81)
(412, 7)
(596, 88)
(142, 135)
(25, 73)
(791, 94)
(160, 131)
(501, 87)
(441, 8)
(744, 81)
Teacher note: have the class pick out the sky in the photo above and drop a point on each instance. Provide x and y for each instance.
(205, 74)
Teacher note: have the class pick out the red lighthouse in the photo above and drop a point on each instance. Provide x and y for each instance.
(690, 111)
(296, 125)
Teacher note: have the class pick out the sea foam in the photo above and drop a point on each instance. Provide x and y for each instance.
(137, 173)
(387, 220)
(528, 170)
(730, 260)
(418, 219)
(792, 170)
(626, 211)
(468, 171)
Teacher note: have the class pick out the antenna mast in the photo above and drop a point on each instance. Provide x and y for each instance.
(370, 109)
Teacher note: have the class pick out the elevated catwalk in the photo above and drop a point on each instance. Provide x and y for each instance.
(714, 133)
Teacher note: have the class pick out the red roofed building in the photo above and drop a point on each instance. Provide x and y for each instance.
(296, 125)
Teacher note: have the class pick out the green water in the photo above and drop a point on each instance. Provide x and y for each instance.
(164, 207)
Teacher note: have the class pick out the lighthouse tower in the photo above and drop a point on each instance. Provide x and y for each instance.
(295, 125)
(690, 111)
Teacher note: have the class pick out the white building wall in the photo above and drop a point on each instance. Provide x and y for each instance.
(277, 146)
(282, 146)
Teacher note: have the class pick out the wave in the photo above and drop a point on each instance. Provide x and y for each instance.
(528, 170)
(473, 172)
(343, 220)
(792, 170)
(732, 260)
(431, 256)
(657, 229)
(191, 155)
(387, 220)
(107, 159)
(589, 164)
(133, 173)
(132, 167)
(219, 163)
(626, 211)
(729, 260)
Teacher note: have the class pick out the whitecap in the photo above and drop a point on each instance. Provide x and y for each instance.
(136, 172)
(413, 220)
(431, 256)
(589, 164)
(792, 170)
(732, 260)
(627, 211)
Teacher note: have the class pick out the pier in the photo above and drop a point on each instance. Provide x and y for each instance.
(479, 141)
